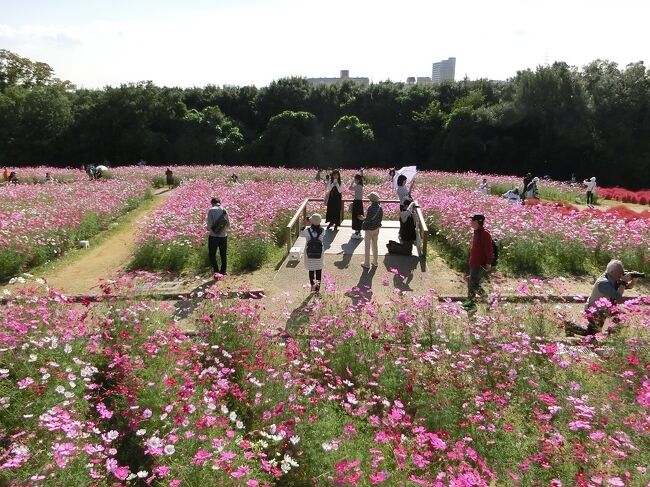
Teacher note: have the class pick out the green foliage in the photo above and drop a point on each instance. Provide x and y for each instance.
(555, 120)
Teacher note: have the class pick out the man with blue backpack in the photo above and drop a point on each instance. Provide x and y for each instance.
(482, 256)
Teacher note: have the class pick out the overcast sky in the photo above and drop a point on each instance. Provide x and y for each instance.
(196, 42)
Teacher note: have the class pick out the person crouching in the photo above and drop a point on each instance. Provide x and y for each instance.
(407, 232)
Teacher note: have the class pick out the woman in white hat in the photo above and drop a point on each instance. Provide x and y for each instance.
(314, 251)
(591, 189)
(371, 225)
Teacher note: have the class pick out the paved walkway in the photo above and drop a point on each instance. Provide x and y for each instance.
(340, 242)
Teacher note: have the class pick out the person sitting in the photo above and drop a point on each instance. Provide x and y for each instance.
(48, 178)
(13, 179)
(484, 187)
(407, 231)
(512, 195)
(610, 286)
(531, 189)
(234, 178)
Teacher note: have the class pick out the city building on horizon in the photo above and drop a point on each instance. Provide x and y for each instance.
(444, 70)
(345, 76)
(424, 80)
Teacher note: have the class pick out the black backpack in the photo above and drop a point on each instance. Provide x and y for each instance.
(221, 222)
(314, 246)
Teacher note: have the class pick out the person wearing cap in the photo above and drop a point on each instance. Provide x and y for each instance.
(314, 265)
(481, 256)
(371, 225)
(217, 240)
(591, 189)
(608, 290)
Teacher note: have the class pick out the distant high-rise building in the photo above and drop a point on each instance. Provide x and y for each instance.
(444, 70)
(423, 80)
(345, 76)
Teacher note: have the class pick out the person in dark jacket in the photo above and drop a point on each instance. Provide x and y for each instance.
(481, 256)
(217, 240)
(371, 226)
(407, 232)
(169, 176)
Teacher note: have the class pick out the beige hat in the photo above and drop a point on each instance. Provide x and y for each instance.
(315, 219)
(374, 197)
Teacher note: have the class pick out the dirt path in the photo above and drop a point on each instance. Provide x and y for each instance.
(80, 271)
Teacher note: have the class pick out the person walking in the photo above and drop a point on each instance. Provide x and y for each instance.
(217, 224)
(314, 251)
(371, 225)
(481, 256)
(169, 176)
(407, 231)
(357, 205)
(591, 190)
(319, 175)
(334, 201)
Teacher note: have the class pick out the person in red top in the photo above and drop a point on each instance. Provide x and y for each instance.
(481, 256)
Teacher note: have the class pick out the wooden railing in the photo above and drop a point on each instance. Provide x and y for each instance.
(293, 227)
(422, 228)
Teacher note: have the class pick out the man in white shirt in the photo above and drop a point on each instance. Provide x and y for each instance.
(591, 190)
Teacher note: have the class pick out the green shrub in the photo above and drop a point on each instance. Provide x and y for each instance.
(250, 254)
(11, 263)
(522, 257)
(161, 181)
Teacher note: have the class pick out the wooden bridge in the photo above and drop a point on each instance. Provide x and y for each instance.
(341, 243)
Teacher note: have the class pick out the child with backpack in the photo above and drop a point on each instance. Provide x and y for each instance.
(314, 251)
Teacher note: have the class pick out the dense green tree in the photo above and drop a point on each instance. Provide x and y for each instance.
(351, 140)
(290, 139)
(554, 120)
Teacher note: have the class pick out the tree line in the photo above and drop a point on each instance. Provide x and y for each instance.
(556, 120)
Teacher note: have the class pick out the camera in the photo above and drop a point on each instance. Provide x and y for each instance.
(636, 274)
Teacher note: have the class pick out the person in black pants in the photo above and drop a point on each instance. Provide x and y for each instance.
(217, 225)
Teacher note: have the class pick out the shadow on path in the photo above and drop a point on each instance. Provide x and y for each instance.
(362, 292)
(299, 317)
(405, 267)
(185, 307)
(348, 251)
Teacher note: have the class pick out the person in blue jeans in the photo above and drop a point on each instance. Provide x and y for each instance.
(217, 224)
